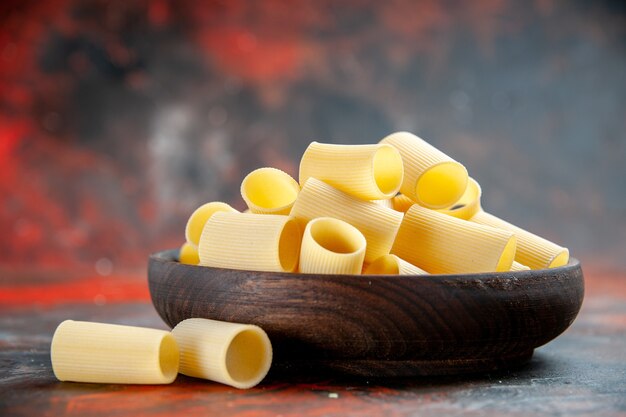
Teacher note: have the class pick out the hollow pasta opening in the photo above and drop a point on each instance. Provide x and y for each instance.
(248, 358)
(289, 245)
(336, 235)
(269, 188)
(168, 357)
(508, 255)
(561, 259)
(442, 185)
(388, 170)
(385, 265)
(468, 204)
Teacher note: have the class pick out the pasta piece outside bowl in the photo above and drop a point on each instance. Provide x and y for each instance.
(379, 325)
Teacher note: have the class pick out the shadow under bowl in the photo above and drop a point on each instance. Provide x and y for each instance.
(377, 325)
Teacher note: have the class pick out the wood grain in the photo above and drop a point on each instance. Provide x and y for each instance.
(379, 325)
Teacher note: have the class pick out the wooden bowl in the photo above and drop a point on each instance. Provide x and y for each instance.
(375, 325)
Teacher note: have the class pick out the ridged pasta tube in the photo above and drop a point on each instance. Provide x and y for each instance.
(258, 242)
(369, 172)
(331, 246)
(516, 266)
(378, 224)
(188, 254)
(431, 178)
(199, 217)
(384, 202)
(469, 203)
(532, 250)
(239, 355)
(392, 265)
(269, 191)
(113, 354)
(442, 244)
(402, 203)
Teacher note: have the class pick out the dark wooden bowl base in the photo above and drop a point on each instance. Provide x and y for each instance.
(379, 326)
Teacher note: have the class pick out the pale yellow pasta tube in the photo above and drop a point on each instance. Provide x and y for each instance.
(369, 172)
(331, 246)
(469, 203)
(392, 265)
(199, 217)
(431, 178)
(258, 242)
(385, 203)
(532, 250)
(402, 203)
(188, 254)
(516, 266)
(443, 244)
(378, 224)
(269, 191)
(113, 354)
(239, 355)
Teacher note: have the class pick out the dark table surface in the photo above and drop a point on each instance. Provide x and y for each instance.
(583, 372)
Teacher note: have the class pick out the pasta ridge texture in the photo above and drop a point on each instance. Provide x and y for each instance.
(388, 202)
(402, 203)
(442, 244)
(332, 246)
(378, 224)
(200, 216)
(369, 172)
(532, 250)
(516, 266)
(239, 355)
(431, 178)
(261, 242)
(111, 353)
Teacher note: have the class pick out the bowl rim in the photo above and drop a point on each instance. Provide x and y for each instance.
(559, 291)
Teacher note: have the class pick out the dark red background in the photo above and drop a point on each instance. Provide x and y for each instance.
(117, 119)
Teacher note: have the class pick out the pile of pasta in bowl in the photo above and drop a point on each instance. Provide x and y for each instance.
(397, 207)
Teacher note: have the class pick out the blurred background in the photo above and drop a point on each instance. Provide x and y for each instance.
(117, 119)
